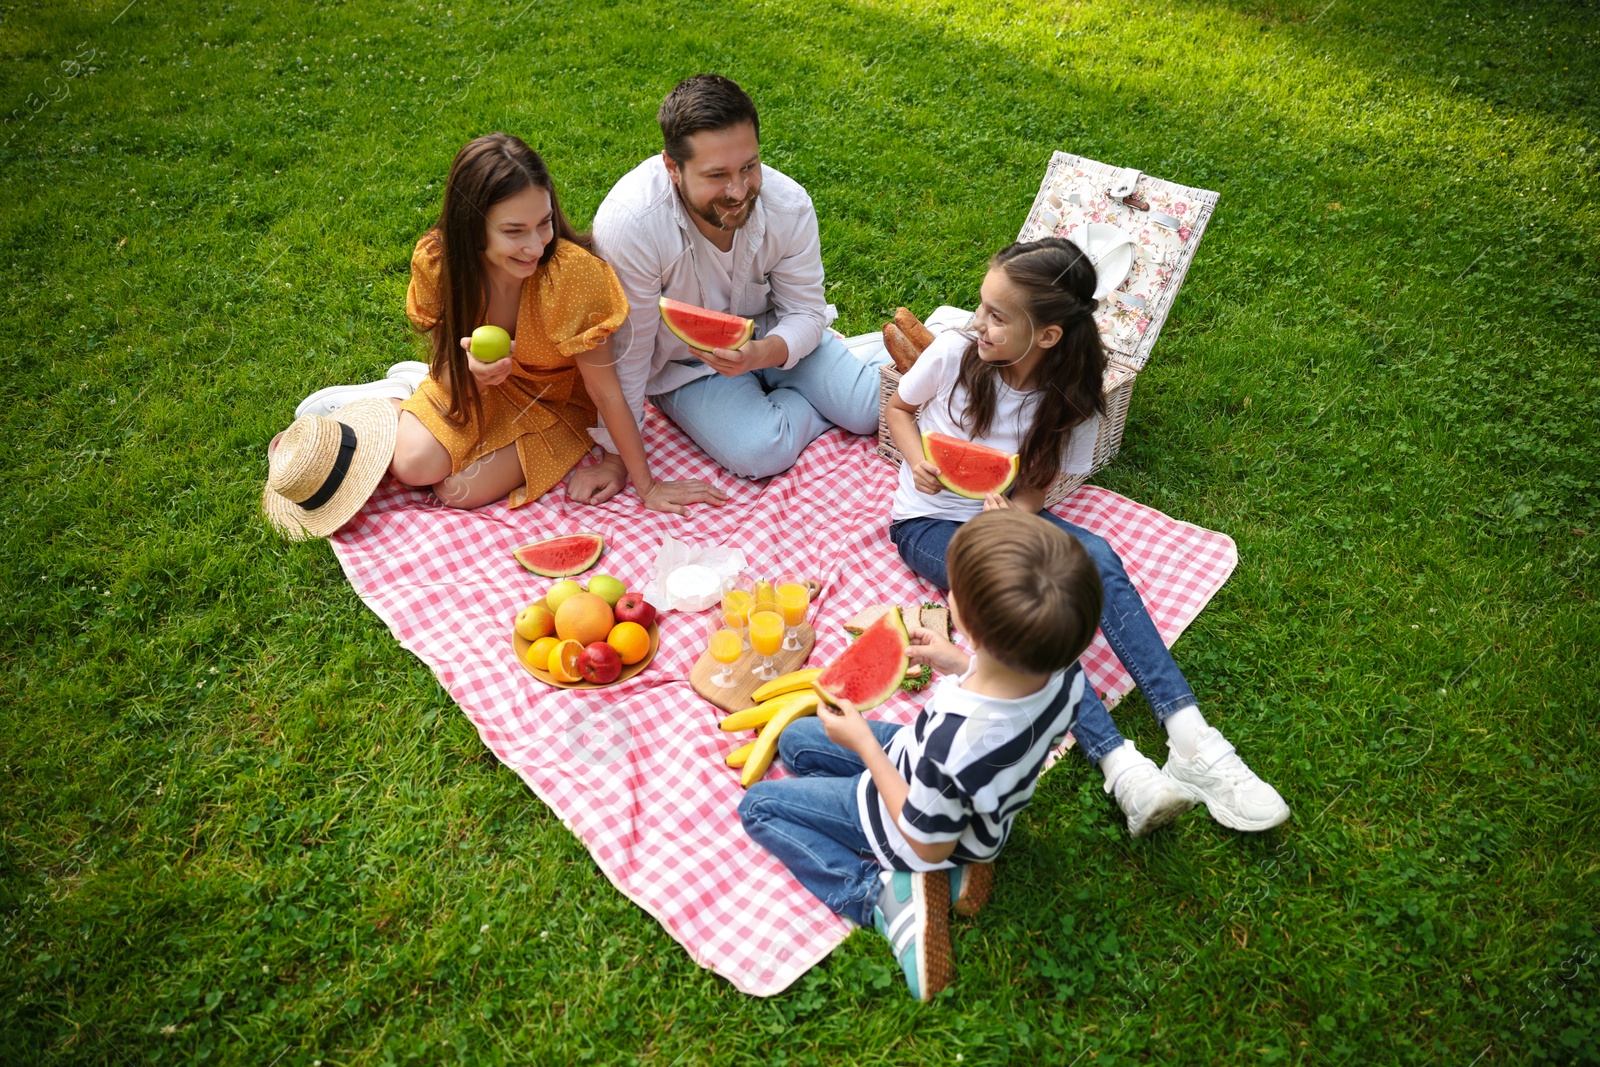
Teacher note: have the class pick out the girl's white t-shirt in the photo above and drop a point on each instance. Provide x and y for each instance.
(930, 383)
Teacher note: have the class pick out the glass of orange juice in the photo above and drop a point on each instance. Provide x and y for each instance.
(726, 645)
(794, 600)
(738, 592)
(766, 637)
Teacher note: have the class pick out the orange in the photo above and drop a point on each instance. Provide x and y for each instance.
(538, 654)
(631, 641)
(564, 662)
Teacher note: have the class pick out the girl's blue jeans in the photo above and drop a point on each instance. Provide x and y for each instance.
(812, 822)
(1124, 620)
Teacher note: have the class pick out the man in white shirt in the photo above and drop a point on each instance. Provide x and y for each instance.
(707, 223)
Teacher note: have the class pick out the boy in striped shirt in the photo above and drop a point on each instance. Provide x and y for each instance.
(894, 825)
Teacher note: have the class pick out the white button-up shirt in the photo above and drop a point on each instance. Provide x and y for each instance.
(644, 232)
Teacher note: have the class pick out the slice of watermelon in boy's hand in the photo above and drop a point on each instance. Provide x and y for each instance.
(847, 729)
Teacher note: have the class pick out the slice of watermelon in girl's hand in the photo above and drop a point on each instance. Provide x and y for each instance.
(969, 469)
(703, 330)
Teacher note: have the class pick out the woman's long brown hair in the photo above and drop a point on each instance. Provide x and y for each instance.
(1058, 282)
(486, 171)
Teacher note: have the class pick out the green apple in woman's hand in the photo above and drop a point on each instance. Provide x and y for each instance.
(490, 344)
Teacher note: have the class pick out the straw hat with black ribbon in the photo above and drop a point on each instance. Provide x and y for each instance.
(326, 466)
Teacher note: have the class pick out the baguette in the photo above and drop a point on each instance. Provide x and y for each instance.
(912, 327)
(901, 350)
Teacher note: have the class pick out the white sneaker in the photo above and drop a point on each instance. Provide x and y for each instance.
(411, 371)
(1149, 799)
(327, 401)
(1232, 793)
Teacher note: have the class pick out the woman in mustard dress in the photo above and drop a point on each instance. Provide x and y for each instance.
(503, 254)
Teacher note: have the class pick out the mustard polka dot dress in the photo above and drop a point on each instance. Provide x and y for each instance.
(571, 304)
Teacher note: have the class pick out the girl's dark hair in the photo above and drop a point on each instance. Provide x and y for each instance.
(486, 171)
(1057, 281)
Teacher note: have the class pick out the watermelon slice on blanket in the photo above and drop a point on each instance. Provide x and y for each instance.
(562, 557)
(869, 671)
(704, 330)
(968, 469)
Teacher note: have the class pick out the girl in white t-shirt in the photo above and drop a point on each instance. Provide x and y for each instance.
(1027, 380)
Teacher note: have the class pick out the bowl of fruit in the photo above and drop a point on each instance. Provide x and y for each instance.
(586, 636)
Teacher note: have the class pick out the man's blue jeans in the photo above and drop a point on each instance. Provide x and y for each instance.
(758, 423)
(812, 821)
(1124, 620)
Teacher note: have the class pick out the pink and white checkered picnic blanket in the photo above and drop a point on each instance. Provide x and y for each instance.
(636, 770)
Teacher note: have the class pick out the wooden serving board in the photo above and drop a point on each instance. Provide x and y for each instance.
(738, 697)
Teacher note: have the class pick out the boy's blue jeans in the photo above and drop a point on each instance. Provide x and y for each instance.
(1124, 620)
(812, 822)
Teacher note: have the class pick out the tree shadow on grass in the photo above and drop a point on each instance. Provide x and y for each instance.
(966, 117)
(1531, 58)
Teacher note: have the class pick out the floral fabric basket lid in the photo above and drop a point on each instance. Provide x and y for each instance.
(1142, 233)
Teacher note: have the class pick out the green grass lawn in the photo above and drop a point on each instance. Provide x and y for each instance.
(240, 824)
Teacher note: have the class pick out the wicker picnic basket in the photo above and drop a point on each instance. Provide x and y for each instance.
(1074, 193)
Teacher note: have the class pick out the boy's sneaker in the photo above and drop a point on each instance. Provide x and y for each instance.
(1150, 799)
(410, 371)
(913, 913)
(1233, 794)
(327, 401)
(970, 887)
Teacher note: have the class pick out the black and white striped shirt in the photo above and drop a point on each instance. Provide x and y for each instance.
(971, 762)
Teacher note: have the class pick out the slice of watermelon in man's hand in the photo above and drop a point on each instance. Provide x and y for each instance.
(705, 331)
(722, 341)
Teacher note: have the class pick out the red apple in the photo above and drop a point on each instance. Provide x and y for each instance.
(633, 607)
(599, 663)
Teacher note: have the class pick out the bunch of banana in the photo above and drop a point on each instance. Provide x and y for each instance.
(792, 682)
(780, 702)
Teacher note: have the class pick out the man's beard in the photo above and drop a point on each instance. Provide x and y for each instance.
(718, 211)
